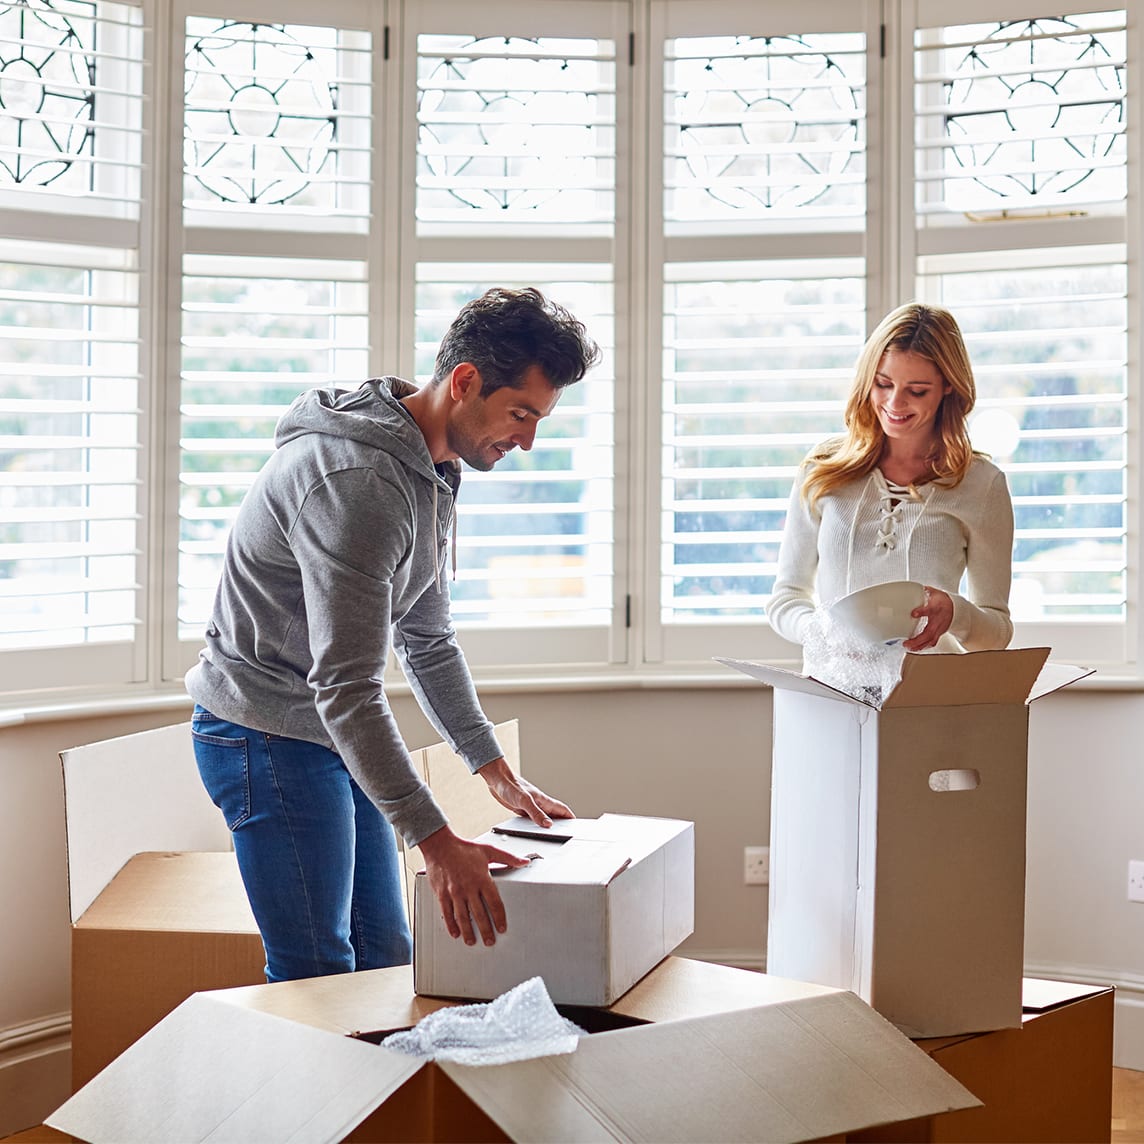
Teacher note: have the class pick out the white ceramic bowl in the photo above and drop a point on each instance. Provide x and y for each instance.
(881, 613)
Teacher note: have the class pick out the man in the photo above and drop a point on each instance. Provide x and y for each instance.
(338, 553)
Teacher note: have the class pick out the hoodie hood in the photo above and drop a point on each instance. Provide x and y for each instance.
(372, 414)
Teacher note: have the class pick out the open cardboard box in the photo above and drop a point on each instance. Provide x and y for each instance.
(898, 836)
(603, 901)
(705, 1053)
(158, 908)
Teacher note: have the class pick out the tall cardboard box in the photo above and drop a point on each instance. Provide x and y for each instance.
(898, 836)
(697, 1052)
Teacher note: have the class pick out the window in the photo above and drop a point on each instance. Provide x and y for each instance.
(729, 194)
(276, 148)
(765, 261)
(72, 344)
(1020, 186)
(515, 185)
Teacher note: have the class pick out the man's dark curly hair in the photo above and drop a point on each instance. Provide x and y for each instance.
(504, 332)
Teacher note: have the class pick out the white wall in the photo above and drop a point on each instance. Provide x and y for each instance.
(1086, 821)
(696, 753)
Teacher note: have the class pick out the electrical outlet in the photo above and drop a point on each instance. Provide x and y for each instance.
(1136, 881)
(756, 865)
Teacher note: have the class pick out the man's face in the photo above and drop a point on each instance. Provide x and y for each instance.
(482, 430)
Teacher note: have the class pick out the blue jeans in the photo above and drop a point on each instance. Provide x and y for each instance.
(318, 859)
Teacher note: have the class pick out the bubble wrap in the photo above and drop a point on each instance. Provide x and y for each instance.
(836, 655)
(520, 1024)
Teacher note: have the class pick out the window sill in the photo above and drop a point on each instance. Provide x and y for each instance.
(691, 678)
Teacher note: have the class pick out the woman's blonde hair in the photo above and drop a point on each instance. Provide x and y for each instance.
(932, 333)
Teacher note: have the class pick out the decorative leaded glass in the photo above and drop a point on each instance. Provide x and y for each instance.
(47, 93)
(765, 127)
(513, 130)
(1022, 114)
(265, 114)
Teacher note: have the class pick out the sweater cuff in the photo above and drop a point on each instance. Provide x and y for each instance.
(481, 750)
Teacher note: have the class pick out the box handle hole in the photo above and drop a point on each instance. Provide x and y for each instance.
(943, 781)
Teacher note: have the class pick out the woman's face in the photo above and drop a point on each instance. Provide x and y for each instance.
(906, 395)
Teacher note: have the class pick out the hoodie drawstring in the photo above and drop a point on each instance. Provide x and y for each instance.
(436, 544)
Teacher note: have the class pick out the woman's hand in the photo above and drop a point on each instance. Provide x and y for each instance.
(937, 611)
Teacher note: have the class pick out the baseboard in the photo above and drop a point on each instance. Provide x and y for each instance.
(736, 958)
(35, 1071)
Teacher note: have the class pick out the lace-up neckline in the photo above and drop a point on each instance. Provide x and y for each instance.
(891, 498)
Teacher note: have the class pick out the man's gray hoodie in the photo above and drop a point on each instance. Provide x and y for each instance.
(338, 553)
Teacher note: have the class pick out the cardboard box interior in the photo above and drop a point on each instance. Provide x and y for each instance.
(742, 1056)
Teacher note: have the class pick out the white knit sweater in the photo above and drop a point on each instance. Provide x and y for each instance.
(870, 532)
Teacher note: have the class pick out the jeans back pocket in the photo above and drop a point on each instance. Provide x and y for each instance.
(224, 767)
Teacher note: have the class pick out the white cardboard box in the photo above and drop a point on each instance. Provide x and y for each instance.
(898, 836)
(738, 1056)
(603, 902)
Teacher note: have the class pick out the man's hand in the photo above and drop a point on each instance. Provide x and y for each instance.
(938, 614)
(520, 796)
(458, 872)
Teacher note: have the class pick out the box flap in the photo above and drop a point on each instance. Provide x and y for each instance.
(788, 680)
(801, 1062)
(1039, 996)
(470, 805)
(214, 1071)
(1014, 675)
(810, 1068)
(198, 892)
(369, 1001)
(124, 796)
(681, 987)
(577, 862)
(1054, 676)
(640, 835)
(967, 679)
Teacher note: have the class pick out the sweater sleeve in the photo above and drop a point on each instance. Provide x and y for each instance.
(346, 561)
(438, 674)
(981, 622)
(792, 599)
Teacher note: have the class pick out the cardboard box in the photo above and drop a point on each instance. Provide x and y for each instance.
(898, 836)
(158, 908)
(1049, 1080)
(167, 926)
(776, 1060)
(603, 901)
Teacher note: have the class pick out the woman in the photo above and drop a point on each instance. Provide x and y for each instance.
(903, 496)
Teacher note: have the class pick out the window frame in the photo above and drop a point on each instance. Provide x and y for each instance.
(1106, 644)
(636, 643)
